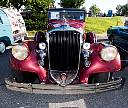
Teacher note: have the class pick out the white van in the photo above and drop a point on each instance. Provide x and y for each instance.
(12, 27)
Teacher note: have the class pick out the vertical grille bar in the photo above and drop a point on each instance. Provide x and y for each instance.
(64, 50)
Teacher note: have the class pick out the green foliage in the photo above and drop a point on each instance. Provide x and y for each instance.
(122, 9)
(125, 9)
(118, 8)
(15, 3)
(37, 18)
(94, 10)
(4, 3)
(101, 24)
(71, 3)
(18, 3)
(41, 5)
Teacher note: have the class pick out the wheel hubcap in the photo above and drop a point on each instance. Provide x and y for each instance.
(2, 47)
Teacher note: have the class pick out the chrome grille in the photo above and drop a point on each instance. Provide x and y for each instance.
(64, 50)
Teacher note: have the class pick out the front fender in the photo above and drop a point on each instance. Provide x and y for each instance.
(98, 65)
(30, 64)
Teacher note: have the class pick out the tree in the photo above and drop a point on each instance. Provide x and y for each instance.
(119, 9)
(36, 18)
(17, 3)
(42, 5)
(84, 8)
(122, 9)
(94, 10)
(125, 9)
(4, 3)
(71, 3)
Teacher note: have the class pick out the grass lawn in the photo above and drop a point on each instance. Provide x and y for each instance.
(31, 33)
(100, 25)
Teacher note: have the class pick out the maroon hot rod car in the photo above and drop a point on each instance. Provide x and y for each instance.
(65, 59)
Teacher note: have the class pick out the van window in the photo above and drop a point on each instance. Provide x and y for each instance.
(1, 22)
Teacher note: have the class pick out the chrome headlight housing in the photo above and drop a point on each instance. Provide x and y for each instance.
(109, 53)
(20, 51)
(42, 46)
(86, 46)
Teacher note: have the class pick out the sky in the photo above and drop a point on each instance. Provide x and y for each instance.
(104, 5)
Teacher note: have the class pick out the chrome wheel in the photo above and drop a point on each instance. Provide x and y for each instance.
(2, 47)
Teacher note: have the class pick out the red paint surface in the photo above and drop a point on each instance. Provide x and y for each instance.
(72, 23)
(97, 64)
(30, 64)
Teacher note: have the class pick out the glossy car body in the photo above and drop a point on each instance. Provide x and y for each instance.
(65, 54)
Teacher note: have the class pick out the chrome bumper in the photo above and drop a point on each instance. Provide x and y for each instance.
(70, 89)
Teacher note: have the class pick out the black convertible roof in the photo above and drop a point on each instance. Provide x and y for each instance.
(68, 9)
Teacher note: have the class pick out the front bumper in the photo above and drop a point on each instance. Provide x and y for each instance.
(70, 89)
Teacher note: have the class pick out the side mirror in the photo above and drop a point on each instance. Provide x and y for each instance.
(39, 37)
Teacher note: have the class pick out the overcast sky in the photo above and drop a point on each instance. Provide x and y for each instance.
(104, 5)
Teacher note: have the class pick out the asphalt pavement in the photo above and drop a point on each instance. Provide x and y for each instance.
(13, 99)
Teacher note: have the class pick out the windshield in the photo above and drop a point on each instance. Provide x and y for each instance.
(75, 15)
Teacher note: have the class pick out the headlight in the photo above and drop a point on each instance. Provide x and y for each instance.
(42, 46)
(86, 46)
(109, 53)
(20, 52)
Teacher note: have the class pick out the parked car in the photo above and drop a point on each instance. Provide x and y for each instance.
(12, 28)
(65, 59)
(118, 36)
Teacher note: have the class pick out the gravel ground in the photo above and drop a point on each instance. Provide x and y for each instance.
(13, 99)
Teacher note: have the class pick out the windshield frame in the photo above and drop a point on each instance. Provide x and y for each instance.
(66, 11)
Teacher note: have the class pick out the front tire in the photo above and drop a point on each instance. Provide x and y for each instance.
(100, 78)
(25, 77)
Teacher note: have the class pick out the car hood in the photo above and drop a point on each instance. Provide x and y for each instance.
(72, 23)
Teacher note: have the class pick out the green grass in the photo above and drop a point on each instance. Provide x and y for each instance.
(31, 33)
(100, 25)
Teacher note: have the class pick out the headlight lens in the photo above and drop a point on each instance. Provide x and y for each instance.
(109, 53)
(86, 46)
(20, 52)
(42, 46)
